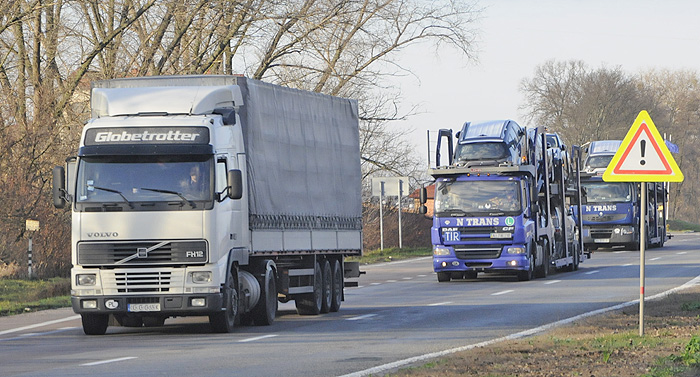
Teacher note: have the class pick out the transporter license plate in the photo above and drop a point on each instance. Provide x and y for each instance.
(144, 307)
(501, 235)
(602, 240)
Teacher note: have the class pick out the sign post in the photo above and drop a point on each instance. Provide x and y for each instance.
(31, 226)
(642, 157)
(388, 186)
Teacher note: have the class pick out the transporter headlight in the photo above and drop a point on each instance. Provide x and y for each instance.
(625, 230)
(439, 250)
(201, 277)
(86, 279)
(515, 250)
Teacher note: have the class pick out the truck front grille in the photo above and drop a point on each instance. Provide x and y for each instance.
(102, 254)
(139, 281)
(479, 252)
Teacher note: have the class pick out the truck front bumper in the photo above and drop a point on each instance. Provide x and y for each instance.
(510, 262)
(149, 305)
(608, 235)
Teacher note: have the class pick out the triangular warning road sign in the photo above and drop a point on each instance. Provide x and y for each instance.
(643, 156)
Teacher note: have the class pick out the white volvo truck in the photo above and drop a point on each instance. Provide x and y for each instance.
(211, 196)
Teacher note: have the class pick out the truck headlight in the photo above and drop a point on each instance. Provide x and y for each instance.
(515, 250)
(438, 250)
(86, 279)
(201, 277)
(625, 230)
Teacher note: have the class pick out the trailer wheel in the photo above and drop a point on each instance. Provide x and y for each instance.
(225, 321)
(337, 289)
(327, 300)
(95, 324)
(265, 311)
(444, 277)
(310, 304)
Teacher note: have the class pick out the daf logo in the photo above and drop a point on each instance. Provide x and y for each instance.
(102, 234)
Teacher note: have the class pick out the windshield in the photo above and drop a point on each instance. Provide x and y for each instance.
(607, 192)
(482, 151)
(597, 162)
(477, 197)
(145, 182)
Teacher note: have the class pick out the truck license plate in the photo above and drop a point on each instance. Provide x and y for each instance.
(602, 240)
(144, 307)
(500, 235)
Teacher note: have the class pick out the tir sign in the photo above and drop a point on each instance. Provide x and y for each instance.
(643, 156)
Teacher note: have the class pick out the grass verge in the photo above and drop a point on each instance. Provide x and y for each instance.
(19, 296)
(391, 254)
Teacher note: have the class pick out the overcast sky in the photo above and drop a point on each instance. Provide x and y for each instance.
(518, 35)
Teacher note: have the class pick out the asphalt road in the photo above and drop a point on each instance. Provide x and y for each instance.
(398, 312)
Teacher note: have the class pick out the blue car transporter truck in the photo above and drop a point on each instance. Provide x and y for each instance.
(503, 214)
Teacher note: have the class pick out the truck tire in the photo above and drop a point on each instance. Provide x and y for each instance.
(528, 274)
(95, 324)
(310, 304)
(265, 310)
(225, 320)
(327, 287)
(444, 277)
(543, 270)
(338, 285)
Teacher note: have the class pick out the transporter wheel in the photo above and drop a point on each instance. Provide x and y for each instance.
(327, 300)
(310, 304)
(338, 285)
(543, 271)
(444, 277)
(265, 310)
(95, 324)
(225, 321)
(527, 275)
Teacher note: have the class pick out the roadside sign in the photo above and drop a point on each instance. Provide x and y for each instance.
(643, 156)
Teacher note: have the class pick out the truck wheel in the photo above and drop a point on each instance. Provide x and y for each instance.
(527, 275)
(444, 277)
(265, 311)
(95, 324)
(225, 321)
(337, 289)
(543, 270)
(310, 304)
(327, 287)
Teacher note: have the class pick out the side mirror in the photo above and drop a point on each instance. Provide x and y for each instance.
(59, 187)
(423, 195)
(235, 184)
(423, 210)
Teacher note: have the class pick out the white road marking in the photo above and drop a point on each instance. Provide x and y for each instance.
(108, 361)
(440, 303)
(502, 292)
(375, 283)
(592, 272)
(552, 282)
(619, 252)
(682, 253)
(10, 331)
(422, 276)
(627, 265)
(407, 278)
(359, 317)
(657, 258)
(391, 281)
(257, 338)
(24, 336)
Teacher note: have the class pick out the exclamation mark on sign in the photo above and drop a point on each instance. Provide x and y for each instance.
(643, 145)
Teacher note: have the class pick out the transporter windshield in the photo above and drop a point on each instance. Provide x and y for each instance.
(472, 198)
(607, 192)
(141, 183)
(482, 151)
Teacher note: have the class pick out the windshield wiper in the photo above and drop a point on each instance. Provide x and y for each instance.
(116, 192)
(453, 212)
(184, 200)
